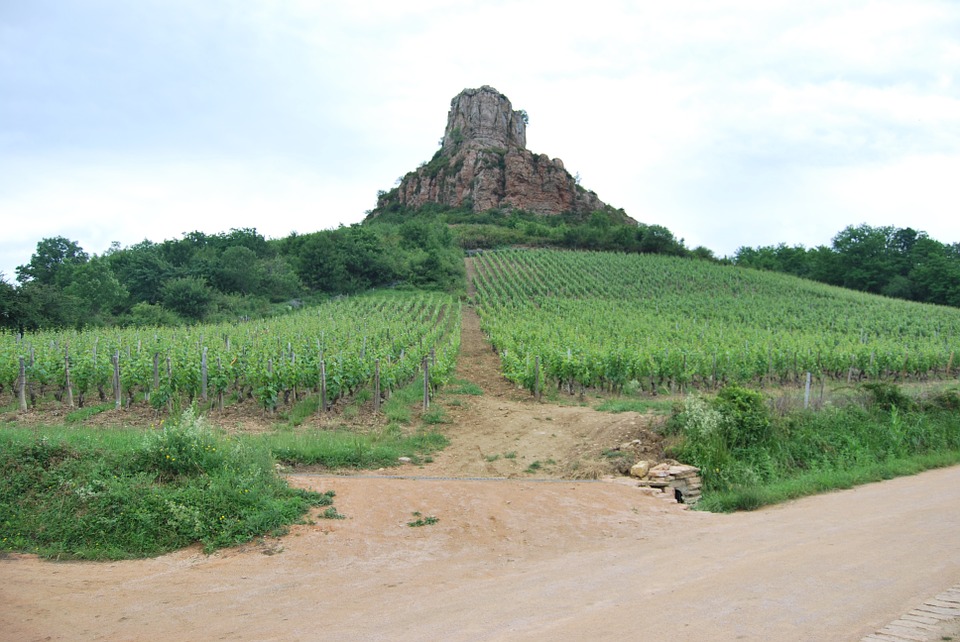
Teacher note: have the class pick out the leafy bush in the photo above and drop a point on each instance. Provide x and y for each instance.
(943, 400)
(704, 430)
(185, 448)
(748, 419)
(887, 396)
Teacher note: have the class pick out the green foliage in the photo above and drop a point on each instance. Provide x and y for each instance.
(636, 405)
(901, 263)
(625, 322)
(421, 520)
(820, 481)
(888, 396)
(332, 513)
(266, 360)
(463, 387)
(185, 448)
(942, 400)
(82, 414)
(145, 314)
(344, 449)
(53, 262)
(813, 451)
(438, 163)
(435, 415)
(188, 296)
(106, 495)
(748, 419)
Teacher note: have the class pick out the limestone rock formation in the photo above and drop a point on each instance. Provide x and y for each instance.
(483, 164)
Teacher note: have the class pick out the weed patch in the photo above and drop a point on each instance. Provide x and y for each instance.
(463, 387)
(642, 406)
(82, 414)
(421, 520)
(435, 415)
(345, 449)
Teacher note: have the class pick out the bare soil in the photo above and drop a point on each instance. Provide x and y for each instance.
(520, 551)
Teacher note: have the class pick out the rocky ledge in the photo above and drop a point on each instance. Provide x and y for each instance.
(483, 164)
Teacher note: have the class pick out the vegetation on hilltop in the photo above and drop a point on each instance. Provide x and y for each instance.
(900, 263)
(222, 277)
(600, 230)
(240, 274)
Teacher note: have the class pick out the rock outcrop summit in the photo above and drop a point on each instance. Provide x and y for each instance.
(483, 163)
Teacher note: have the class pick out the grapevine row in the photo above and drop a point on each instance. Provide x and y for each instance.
(273, 362)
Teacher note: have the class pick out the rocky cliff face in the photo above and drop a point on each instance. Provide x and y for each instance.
(483, 164)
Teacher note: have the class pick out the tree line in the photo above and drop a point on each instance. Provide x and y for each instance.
(902, 263)
(221, 277)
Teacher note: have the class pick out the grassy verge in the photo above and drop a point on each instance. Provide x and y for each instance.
(82, 494)
(636, 405)
(751, 457)
(812, 483)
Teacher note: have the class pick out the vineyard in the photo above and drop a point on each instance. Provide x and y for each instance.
(652, 323)
(571, 319)
(329, 351)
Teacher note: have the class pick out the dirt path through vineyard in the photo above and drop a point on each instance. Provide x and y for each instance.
(530, 557)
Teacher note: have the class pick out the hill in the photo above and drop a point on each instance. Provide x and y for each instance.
(483, 164)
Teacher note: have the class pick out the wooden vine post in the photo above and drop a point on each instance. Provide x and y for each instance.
(322, 408)
(219, 385)
(376, 386)
(536, 378)
(66, 378)
(22, 386)
(203, 374)
(426, 383)
(116, 380)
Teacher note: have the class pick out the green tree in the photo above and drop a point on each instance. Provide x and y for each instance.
(95, 285)
(236, 270)
(142, 270)
(53, 261)
(42, 306)
(865, 259)
(8, 304)
(188, 296)
(276, 279)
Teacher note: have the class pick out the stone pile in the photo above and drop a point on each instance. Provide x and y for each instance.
(682, 480)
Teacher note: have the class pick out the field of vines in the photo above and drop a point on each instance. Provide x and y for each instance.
(654, 323)
(273, 362)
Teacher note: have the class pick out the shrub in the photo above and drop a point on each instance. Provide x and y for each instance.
(887, 396)
(704, 430)
(748, 418)
(186, 448)
(943, 400)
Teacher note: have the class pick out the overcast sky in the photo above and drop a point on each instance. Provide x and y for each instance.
(731, 123)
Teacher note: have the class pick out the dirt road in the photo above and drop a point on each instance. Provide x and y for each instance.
(520, 560)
